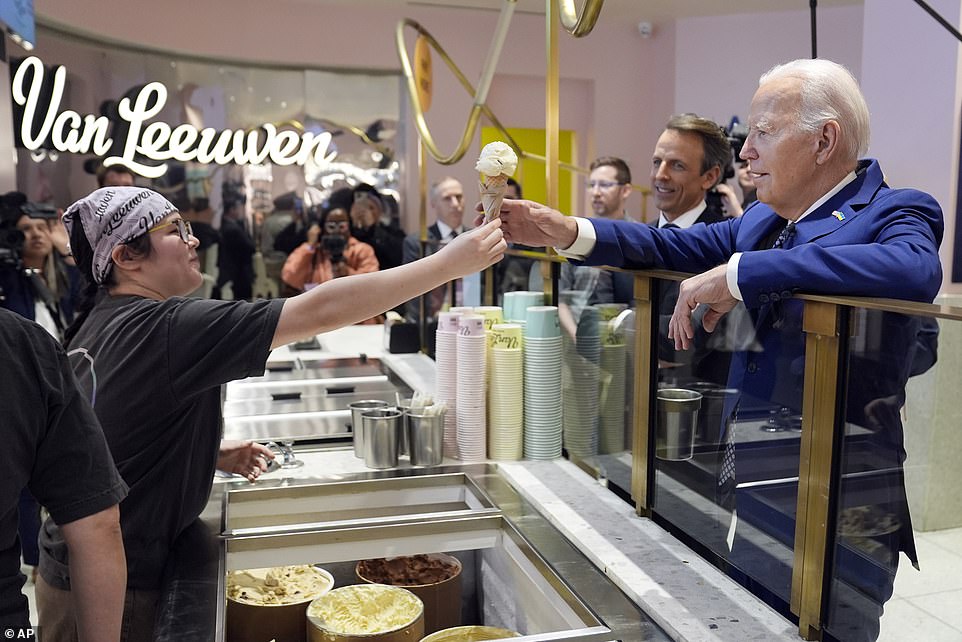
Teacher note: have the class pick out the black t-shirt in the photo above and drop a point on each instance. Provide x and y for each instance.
(153, 370)
(52, 444)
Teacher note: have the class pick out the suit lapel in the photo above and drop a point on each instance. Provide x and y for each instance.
(842, 208)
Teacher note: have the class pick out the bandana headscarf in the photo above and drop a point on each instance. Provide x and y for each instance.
(112, 216)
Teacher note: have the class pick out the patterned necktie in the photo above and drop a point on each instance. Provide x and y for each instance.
(785, 236)
(726, 476)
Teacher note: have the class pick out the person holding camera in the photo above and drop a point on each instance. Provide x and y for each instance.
(329, 253)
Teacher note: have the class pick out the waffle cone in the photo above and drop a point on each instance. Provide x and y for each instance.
(492, 193)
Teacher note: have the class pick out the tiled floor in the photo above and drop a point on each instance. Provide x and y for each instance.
(927, 605)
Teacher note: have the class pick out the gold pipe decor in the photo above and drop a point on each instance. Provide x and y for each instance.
(479, 107)
(579, 26)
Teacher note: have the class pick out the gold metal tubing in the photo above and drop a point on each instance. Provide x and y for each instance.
(552, 107)
(820, 323)
(419, 120)
(641, 406)
(579, 26)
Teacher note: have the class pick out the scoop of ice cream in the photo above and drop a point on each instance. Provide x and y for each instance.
(279, 585)
(497, 158)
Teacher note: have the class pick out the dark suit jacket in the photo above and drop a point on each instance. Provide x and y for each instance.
(412, 252)
(867, 240)
(692, 359)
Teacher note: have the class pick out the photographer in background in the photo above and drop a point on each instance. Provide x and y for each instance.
(330, 252)
(722, 199)
(38, 279)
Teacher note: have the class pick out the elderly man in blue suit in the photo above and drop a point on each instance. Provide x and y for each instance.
(826, 223)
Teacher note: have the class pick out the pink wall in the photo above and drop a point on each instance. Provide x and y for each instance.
(911, 79)
(719, 59)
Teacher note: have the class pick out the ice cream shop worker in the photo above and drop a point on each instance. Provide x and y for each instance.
(151, 363)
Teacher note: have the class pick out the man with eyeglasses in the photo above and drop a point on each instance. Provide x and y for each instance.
(609, 186)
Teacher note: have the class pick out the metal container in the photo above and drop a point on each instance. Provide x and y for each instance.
(470, 634)
(425, 436)
(357, 408)
(247, 622)
(381, 428)
(677, 423)
(441, 598)
(350, 598)
(712, 421)
(404, 444)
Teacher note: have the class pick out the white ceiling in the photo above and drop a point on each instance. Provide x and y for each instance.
(619, 10)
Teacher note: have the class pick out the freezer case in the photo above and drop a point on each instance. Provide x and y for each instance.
(518, 572)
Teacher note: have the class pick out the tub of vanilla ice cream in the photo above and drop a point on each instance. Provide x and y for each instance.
(470, 634)
(271, 603)
(366, 613)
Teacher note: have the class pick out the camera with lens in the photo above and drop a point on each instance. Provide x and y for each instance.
(11, 239)
(737, 135)
(334, 245)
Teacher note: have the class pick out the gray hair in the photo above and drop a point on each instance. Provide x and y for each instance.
(828, 91)
(436, 187)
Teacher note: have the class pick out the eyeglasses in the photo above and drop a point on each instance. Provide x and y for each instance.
(605, 185)
(183, 227)
(335, 226)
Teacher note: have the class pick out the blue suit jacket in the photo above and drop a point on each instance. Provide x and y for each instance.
(867, 240)
(885, 245)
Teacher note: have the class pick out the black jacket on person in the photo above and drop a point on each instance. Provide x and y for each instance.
(387, 241)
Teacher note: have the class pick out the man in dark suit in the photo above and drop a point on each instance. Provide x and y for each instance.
(446, 198)
(826, 222)
(689, 159)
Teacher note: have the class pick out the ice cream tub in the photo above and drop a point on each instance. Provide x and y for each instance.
(271, 603)
(435, 578)
(366, 613)
(470, 634)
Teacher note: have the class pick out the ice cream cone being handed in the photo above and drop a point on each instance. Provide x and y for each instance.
(496, 164)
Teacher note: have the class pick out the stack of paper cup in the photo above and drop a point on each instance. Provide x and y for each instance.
(446, 367)
(522, 301)
(614, 380)
(581, 384)
(492, 314)
(472, 416)
(542, 383)
(506, 392)
(508, 302)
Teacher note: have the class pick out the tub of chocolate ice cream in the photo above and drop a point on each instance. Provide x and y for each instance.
(434, 577)
(271, 603)
(366, 613)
